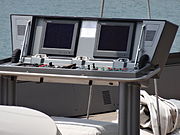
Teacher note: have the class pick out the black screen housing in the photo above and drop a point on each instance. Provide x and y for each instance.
(59, 37)
(114, 40)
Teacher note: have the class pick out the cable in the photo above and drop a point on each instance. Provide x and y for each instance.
(139, 48)
(24, 43)
(157, 103)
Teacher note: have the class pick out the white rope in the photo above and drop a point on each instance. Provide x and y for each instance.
(157, 104)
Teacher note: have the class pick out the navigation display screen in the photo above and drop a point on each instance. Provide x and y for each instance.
(58, 35)
(113, 38)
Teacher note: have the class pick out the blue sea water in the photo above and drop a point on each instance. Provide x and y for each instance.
(161, 9)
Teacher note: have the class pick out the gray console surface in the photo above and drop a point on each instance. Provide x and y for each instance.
(113, 74)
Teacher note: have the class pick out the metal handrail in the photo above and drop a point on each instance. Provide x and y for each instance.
(24, 43)
(83, 77)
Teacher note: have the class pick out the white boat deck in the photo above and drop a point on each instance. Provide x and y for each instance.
(112, 117)
(107, 117)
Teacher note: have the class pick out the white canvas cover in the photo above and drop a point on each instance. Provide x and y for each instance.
(23, 121)
(169, 114)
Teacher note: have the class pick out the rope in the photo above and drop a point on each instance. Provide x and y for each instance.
(158, 110)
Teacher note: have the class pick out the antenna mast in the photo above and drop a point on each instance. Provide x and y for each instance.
(102, 8)
(149, 9)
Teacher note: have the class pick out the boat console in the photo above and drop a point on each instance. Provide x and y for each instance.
(92, 46)
(101, 51)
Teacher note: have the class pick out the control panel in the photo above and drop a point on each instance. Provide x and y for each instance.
(79, 44)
